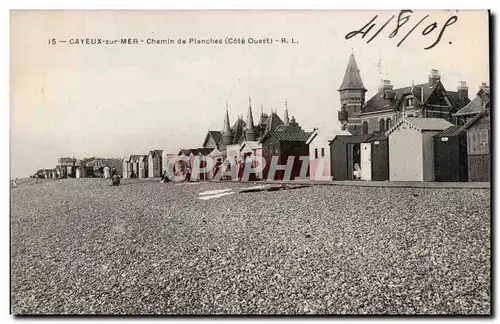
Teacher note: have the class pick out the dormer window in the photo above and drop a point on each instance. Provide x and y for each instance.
(410, 101)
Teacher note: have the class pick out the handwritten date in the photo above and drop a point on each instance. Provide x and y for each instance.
(403, 19)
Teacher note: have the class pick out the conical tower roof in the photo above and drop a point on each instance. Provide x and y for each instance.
(226, 130)
(352, 78)
(250, 132)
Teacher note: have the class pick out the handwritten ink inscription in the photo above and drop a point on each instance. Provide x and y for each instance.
(402, 19)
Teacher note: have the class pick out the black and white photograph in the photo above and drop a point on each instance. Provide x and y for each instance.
(250, 162)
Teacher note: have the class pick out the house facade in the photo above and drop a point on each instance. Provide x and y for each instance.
(389, 105)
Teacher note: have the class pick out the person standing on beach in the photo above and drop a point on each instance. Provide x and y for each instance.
(14, 183)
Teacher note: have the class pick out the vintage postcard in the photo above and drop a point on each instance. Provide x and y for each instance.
(250, 162)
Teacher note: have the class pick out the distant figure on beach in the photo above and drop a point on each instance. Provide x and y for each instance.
(188, 173)
(14, 183)
(115, 180)
(36, 177)
(164, 177)
(106, 172)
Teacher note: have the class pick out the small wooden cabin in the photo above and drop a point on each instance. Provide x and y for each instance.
(285, 144)
(450, 155)
(143, 166)
(375, 158)
(479, 147)
(154, 163)
(345, 155)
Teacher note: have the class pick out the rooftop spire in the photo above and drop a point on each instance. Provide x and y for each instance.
(352, 78)
(286, 119)
(226, 130)
(250, 133)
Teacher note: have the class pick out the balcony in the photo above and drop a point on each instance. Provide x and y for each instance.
(343, 116)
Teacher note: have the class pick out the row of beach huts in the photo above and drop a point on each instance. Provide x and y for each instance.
(414, 149)
(420, 132)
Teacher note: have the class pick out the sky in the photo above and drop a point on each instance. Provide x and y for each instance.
(117, 100)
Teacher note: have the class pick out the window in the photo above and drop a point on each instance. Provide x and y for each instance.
(315, 153)
(388, 122)
(365, 127)
(322, 152)
(409, 102)
(382, 125)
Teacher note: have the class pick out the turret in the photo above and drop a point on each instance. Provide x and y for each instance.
(352, 97)
(250, 132)
(227, 133)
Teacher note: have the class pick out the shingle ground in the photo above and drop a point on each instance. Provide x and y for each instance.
(80, 246)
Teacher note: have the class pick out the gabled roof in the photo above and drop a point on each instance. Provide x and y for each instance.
(476, 118)
(451, 131)
(251, 144)
(326, 134)
(352, 78)
(135, 158)
(377, 137)
(422, 124)
(351, 139)
(205, 151)
(288, 136)
(390, 99)
(288, 128)
(238, 130)
(188, 152)
(216, 153)
(155, 153)
(313, 135)
(473, 107)
(455, 99)
(216, 135)
(273, 121)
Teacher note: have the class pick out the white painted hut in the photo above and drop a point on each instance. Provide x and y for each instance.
(319, 151)
(411, 148)
(155, 163)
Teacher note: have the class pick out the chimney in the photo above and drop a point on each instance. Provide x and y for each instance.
(484, 93)
(434, 77)
(485, 88)
(385, 85)
(463, 91)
